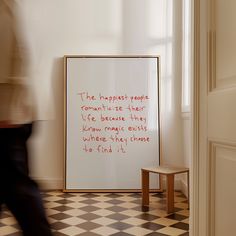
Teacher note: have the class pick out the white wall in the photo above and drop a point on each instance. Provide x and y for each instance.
(61, 27)
(187, 152)
(187, 73)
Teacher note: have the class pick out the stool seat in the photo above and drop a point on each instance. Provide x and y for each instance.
(166, 170)
(170, 172)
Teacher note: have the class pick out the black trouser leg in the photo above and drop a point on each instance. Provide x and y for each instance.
(27, 207)
(18, 191)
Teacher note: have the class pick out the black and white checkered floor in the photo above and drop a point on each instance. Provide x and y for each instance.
(117, 214)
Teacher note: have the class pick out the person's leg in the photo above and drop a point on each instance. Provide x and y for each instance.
(22, 195)
(3, 145)
(27, 207)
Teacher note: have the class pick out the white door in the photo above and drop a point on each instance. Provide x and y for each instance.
(214, 163)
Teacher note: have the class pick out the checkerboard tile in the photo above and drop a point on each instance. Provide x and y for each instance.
(105, 214)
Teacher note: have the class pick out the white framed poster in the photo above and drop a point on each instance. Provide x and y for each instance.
(112, 121)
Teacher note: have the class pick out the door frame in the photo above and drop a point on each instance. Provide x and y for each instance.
(195, 106)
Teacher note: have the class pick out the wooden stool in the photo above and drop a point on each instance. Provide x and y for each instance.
(170, 176)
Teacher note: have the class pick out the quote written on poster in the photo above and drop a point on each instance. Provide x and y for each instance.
(110, 124)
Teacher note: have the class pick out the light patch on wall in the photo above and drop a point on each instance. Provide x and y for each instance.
(160, 12)
(160, 39)
(186, 56)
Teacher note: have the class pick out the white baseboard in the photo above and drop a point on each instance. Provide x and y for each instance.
(52, 184)
(178, 184)
(184, 188)
(49, 183)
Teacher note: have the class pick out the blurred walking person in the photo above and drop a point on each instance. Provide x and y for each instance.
(17, 190)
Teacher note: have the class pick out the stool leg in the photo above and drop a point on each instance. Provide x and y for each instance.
(145, 187)
(188, 187)
(170, 193)
(161, 182)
